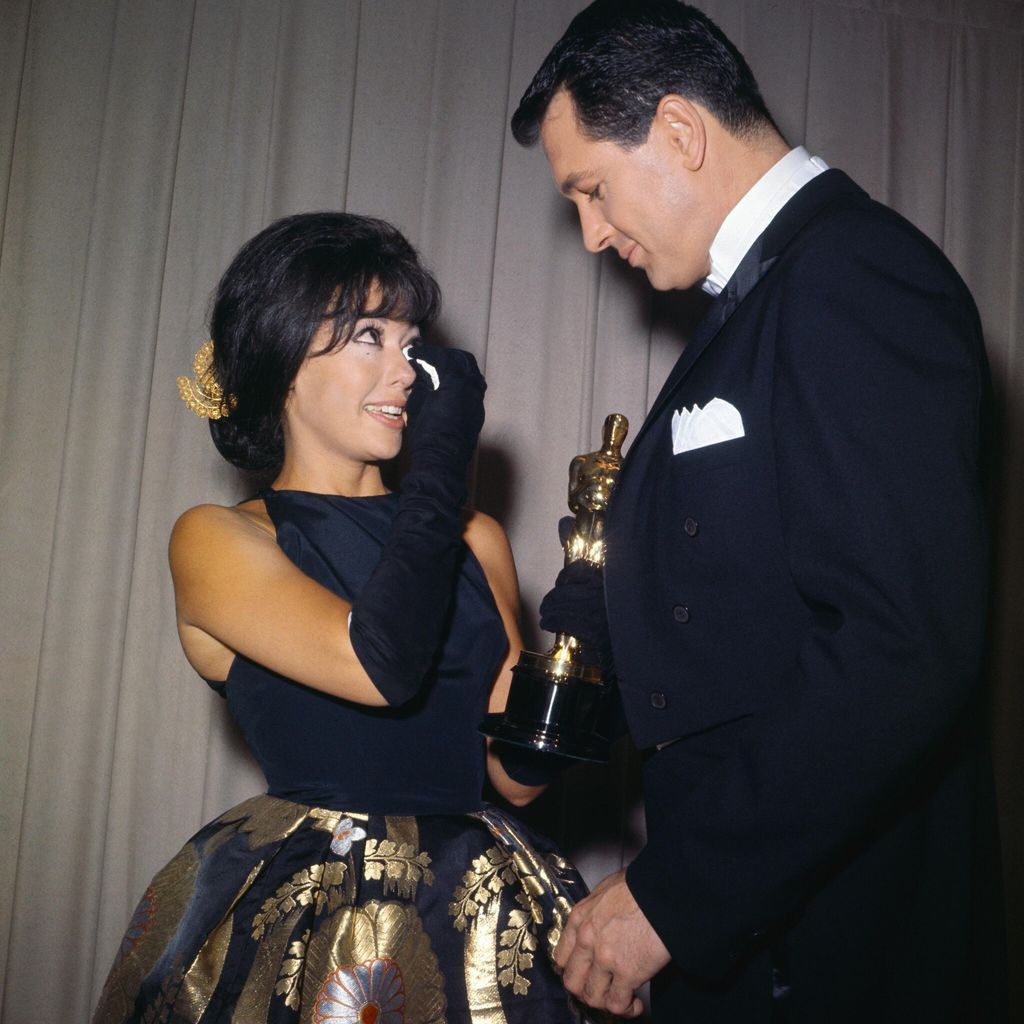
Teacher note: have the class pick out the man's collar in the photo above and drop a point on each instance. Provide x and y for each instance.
(755, 211)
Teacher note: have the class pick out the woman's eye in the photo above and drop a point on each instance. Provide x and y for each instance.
(369, 336)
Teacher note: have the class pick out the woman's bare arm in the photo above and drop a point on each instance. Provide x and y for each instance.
(237, 592)
(488, 542)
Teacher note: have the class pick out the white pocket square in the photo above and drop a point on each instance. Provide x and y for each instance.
(718, 421)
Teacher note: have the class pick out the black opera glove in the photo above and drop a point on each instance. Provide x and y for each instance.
(444, 414)
(528, 767)
(398, 618)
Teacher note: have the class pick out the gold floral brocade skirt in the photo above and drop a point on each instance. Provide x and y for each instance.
(281, 912)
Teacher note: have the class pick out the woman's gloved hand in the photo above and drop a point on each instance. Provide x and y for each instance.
(444, 414)
(398, 617)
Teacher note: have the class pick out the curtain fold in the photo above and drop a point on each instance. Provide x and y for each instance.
(142, 142)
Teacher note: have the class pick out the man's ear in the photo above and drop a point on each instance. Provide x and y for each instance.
(681, 124)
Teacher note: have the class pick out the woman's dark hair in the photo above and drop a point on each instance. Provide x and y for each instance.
(278, 290)
(618, 58)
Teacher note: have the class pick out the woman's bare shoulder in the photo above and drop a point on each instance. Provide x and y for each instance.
(487, 539)
(485, 533)
(253, 512)
(206, 530)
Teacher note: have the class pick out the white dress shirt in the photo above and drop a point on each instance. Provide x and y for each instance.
(755, 211)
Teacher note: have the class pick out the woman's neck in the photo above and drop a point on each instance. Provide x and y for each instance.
(357, 480)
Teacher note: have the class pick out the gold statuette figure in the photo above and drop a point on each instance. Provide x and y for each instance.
(556, 701)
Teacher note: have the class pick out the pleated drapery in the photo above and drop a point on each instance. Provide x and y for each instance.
(141, 142)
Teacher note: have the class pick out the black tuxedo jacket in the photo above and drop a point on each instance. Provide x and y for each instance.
(797, 619)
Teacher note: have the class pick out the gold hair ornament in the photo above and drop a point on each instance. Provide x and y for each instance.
(203, 393)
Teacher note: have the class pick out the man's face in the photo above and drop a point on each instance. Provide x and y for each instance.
(641, 202)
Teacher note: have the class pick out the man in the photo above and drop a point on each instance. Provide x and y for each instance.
(796, 578)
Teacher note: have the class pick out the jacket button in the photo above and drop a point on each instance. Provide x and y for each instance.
(691, 527)
(681, 613)
(658, 701)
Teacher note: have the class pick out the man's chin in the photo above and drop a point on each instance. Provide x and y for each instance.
(666, 282)
(658, 281)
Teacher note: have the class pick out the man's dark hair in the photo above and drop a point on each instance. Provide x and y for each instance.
(284, 283)
(618, 58)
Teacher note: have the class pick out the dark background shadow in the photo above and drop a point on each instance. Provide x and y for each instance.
(494, 481)
(1005, 674)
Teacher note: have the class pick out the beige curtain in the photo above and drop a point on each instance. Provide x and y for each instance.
(141, 142)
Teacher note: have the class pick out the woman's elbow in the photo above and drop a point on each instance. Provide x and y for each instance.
(516, 793)
(524, 799)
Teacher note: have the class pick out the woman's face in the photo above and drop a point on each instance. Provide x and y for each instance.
(349, 404)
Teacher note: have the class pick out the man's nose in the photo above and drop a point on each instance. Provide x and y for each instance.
(597, 232)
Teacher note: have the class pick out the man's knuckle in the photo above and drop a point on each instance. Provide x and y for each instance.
(573, 983)
(618, 1003)
(576, 969)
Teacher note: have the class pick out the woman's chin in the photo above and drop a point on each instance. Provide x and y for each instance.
(386, 453)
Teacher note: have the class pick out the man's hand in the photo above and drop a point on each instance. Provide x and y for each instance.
(609, 949)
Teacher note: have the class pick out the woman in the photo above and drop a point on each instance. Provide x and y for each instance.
(359, 637)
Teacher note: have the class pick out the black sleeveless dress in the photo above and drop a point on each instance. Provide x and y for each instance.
(371, 884)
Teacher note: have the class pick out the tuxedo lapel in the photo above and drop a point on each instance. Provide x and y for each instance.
(812, 198)
(749, 272)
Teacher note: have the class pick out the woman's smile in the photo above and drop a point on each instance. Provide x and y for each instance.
(392, 416)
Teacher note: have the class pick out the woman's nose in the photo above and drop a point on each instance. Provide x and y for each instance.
(401, 371)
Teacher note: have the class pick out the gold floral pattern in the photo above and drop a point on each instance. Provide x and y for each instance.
(551, 876)
(400, 865)
(518, 940)
(490, 873)
(518, 943)
(392, 931)
(320, 934)
(321, 885)
(290, 977)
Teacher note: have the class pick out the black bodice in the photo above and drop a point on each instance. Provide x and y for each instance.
(424, 758)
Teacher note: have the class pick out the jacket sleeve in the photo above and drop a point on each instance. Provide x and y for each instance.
(878, 397)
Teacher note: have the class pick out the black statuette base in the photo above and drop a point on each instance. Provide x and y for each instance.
(553, 712)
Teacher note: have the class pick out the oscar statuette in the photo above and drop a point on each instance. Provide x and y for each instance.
(556, 702)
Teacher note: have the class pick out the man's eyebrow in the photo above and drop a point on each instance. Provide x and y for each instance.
(572, 181)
